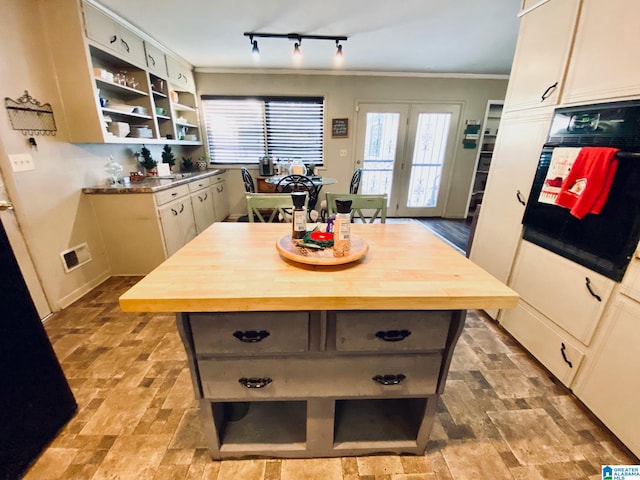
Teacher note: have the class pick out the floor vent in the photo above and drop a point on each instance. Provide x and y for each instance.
(75, 257)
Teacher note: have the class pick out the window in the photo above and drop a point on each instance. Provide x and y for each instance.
(243, 129)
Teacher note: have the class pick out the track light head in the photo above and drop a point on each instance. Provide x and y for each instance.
(338, 58)
(255, 51)
(297, 54)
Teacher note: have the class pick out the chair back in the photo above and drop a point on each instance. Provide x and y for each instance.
(299, 183)
(355, 181)
(269, 207)
(366, 208)
(249, 186)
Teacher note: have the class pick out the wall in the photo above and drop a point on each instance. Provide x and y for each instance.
(342, 92)
(50, 209)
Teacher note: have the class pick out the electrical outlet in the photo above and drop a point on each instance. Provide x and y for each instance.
(22, 162)
(343, 152)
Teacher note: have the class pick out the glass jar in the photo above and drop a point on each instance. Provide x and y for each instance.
(297, 167)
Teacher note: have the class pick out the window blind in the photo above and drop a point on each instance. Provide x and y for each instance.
(242, 129)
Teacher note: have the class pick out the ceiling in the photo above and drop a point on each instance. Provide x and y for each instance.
(417, 36)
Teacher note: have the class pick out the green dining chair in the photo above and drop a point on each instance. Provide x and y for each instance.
(364, 207)
(269, 207)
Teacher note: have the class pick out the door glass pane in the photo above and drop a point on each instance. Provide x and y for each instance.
(380, 145)
(428, 157)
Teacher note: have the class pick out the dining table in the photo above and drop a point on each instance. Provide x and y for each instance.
(297, 358)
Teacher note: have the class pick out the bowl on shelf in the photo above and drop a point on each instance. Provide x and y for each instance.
(160, 111)
(121, 107)
(191, 138)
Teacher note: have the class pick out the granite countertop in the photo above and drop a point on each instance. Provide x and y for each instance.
(154, 184)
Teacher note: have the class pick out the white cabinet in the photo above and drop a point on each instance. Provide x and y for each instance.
(155, 59)
(180, 75)
(542, 51)
(488, 135)
(143, 229)
(91, 54)
(513, 166)
(610, 382)
(202, 203)
(106, 31)
(604, 62)
(220, 197)
(556, 350)
(572, 296)
(178, 225)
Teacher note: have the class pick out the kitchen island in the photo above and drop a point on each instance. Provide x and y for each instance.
(296, 360)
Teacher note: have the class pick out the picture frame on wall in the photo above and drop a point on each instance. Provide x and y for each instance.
(339, 127)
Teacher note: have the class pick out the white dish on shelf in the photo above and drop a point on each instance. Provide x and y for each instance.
(121, 107)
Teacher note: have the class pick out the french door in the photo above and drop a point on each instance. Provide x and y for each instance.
(406, 150)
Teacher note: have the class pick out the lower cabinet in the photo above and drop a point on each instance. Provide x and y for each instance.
(141, 230)
(178, 226)
(610, 383)
(561, 304)
(290, 384)
(220, 198)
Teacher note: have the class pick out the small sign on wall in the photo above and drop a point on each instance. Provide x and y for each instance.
(339, 127)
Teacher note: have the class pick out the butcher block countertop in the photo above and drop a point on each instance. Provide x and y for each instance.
(236, 267)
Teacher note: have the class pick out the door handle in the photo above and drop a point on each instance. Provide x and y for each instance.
(593, 294)
(5, 205)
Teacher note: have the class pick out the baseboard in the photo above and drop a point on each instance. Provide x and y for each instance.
(67, 300)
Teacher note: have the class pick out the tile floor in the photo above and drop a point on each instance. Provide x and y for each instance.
(501, 416)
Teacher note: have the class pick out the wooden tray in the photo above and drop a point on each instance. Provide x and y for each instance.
(288, 249)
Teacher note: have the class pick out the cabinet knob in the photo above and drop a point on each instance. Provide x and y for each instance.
(390, 379)
(255, 382)
(393, 335)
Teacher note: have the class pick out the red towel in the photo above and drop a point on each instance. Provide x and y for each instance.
(587, 185)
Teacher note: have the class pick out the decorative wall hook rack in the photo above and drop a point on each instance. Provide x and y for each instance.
(30, 116)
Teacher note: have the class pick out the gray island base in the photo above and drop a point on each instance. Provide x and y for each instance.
(296, 384)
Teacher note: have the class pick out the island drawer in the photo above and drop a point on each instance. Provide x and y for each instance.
(361, 376)
(392, 330)
(165, 196)
(250, 333)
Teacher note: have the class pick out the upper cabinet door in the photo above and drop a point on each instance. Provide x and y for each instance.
(542, 51)
(604, 63)
(103, 29)
(180, 75)
(156, 61)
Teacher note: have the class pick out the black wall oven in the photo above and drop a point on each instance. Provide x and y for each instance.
(606, 242)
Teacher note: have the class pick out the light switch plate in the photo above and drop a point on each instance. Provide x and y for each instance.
(21, 162)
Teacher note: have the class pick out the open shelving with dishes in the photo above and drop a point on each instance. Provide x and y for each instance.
(111, 90)
(488, 136)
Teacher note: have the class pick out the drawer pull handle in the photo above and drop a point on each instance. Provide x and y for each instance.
(594, 294)
(564, 355)
(519, 197)
(393, 335)
(251, 336)
(390, 379)
(255, 382)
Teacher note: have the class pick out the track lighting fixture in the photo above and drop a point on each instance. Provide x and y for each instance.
(297, 38)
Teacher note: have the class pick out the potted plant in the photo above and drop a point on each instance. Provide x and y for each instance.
(187, 164)
(168, 157)
(148, 162)
(311, 169)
